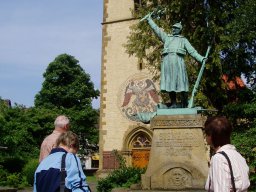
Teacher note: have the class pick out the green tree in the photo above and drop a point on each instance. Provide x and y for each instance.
(240, 40)
(22, 131)
(69, 90)
(66, 90)
(244, 130)
(203, 24)
(66, 85)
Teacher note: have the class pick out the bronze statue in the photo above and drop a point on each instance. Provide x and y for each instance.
(174, 77)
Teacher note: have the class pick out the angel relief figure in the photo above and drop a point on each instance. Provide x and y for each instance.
(140, 96)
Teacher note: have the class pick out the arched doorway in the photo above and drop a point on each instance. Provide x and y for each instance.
(140, 147)
(136, 145)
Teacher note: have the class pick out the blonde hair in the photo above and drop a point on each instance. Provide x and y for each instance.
(68, 139)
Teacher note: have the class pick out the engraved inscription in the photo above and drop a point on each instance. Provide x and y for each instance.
(177, 142)
(177, 123)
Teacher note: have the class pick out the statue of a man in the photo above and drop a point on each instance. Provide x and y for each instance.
(173, 69)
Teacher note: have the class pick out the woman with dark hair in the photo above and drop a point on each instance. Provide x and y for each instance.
(228, 169)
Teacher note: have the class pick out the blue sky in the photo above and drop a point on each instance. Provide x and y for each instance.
(34, 32)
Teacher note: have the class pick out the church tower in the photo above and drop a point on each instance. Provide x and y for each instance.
(126, 89)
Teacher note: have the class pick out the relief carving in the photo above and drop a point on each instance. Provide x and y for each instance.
(178, 178)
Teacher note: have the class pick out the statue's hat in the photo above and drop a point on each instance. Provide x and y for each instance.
(178, 25)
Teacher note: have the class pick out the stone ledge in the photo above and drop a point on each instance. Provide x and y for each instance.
(8, 189)
(194, 190)
(130, 190)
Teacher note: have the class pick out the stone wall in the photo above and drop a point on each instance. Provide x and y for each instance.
(119, 73)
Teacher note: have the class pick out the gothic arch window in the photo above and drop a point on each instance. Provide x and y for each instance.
(140, 150)
(141, 141)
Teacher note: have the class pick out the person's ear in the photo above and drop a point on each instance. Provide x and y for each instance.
(66, 127)
(209, 139)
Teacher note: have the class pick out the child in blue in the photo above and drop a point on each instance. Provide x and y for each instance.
(47, 176)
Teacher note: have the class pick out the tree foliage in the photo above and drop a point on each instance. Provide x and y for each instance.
(204, 23)
(66, 85)
(22, 131)
(240, 41)
(69, 90)
(244, 130)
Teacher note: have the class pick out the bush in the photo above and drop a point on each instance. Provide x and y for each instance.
(29, 170)
(12, 164)
(3, 177)
(123, 177)
(19, 179)
(16, 180)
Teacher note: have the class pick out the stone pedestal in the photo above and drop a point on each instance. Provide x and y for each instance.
(178, 159)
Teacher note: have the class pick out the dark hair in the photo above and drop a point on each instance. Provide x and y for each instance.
(219, 128)
(68, 139)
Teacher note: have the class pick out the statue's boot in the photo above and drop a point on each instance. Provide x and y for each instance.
(184, 99)
(172, 96)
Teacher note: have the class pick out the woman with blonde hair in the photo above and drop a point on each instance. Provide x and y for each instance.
(61, 170)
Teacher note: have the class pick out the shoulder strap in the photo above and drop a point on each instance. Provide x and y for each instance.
(231, 171)
(89, 189)
(63, 173)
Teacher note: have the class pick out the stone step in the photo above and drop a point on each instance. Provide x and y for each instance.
(8, 189)
(130, 190)
(194, 190)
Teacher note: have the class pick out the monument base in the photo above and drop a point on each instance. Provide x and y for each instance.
(178, 111)
(178, 156)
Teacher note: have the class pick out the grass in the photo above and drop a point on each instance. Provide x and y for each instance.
(91, 179)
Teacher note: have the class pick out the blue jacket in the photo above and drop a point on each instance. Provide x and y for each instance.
(47, 175)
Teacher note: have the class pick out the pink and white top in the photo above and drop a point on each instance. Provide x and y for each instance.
(219, 178)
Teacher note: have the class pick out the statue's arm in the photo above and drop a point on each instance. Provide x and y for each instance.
(158, 31)
(192, 51)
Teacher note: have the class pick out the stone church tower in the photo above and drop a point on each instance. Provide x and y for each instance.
(126, 89)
